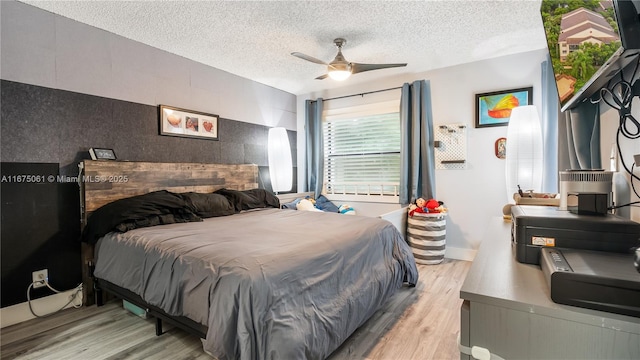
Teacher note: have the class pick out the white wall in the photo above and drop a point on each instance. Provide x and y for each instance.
(477, 194)
(41, 48)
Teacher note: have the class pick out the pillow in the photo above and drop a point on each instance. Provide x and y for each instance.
(208, 205)
(324, 204)
(265, 197)
(250, 199)
(155, 208)
(306, 205)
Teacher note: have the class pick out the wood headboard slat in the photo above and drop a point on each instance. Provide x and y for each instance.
(107, 181)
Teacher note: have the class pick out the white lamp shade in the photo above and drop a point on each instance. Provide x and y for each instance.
(524, 151)
(280, 164)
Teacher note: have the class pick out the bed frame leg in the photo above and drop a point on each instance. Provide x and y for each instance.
(158, 326)
(97, 291)
(98, 296)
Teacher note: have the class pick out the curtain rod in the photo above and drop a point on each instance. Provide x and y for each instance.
(361, 94)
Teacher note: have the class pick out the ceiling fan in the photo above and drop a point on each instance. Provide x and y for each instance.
(340, 69)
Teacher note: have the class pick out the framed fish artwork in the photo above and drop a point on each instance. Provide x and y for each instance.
(494, 108)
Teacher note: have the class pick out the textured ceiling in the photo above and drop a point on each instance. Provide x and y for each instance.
(254, 39)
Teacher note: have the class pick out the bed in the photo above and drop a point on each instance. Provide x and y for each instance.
(261, 283)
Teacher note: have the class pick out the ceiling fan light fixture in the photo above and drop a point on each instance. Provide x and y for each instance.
(339, 75)
(340, 69)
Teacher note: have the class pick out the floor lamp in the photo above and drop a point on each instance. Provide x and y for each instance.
(524, 151)
(280, 164)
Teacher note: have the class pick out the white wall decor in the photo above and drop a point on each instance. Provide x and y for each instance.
(450, 146)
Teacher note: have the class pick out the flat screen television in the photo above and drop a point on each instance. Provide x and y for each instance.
(589, 42)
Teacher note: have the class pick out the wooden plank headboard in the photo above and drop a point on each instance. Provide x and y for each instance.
(107, 181)
(102, 182)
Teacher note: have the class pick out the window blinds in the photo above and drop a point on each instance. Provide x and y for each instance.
(362, 153)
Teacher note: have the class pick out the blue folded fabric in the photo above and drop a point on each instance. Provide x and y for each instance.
(291, 205)
(324, 204)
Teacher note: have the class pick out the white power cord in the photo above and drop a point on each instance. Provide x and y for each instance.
(74, 296)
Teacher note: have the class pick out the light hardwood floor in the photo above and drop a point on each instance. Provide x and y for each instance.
(417, 323)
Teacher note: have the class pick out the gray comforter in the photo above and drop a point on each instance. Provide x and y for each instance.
(269, 284)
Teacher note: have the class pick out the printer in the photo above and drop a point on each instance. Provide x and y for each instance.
(596, 280)
(587, 260)
(535, 227)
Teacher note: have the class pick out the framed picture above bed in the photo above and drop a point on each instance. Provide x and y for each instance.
(494, 108)
(187, 123)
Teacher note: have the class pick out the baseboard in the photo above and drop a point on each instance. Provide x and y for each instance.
(459, 253)
(18, 313)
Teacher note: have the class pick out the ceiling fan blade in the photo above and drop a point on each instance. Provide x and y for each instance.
(358, 68)
(308, 58)
(322, 77)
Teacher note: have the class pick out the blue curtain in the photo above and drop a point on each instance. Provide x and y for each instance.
(549, 122)
(583, 136)
(417, 167)
(314, 146)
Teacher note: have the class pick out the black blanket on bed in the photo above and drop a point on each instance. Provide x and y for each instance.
(155, 208)
(164, 207)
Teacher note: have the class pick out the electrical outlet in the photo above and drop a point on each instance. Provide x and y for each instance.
(40, 278)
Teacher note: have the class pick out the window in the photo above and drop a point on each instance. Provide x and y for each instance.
(362, 150)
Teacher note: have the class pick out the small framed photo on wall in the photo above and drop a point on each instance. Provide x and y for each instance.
(187, 123)
(494, 108)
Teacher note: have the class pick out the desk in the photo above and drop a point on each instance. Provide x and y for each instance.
(508, 310)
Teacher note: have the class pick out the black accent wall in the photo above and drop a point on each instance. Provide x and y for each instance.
(48, 125)
(44, 125)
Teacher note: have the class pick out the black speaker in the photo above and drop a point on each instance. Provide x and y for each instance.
(587, 203)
